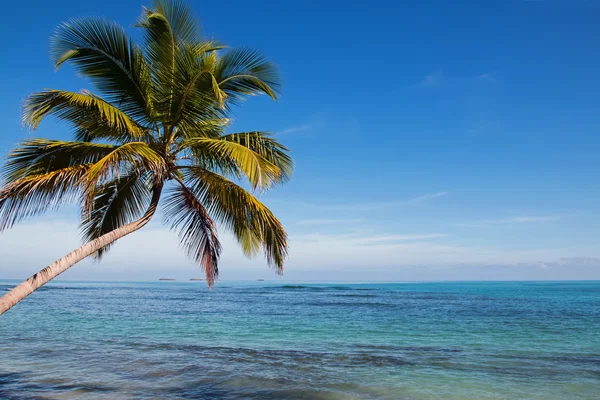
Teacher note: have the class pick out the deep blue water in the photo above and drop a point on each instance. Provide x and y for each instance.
(283, 341)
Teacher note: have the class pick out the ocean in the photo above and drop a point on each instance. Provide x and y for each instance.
(278, 340)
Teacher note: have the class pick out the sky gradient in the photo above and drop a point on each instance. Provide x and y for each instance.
(433, 140)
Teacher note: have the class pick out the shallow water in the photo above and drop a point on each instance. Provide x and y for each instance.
(107, 340)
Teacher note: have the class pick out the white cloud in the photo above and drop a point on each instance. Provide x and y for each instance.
(488, 76)
(433, 80)
(399, 238)
(298, 128)
(330, 221)
(399, 203)
(30, 246)
(512, 220)
(534, 219)
(377, 205)
(439, 78)
(364, 252)
(423, 198)
(154, 252)
(355, 239)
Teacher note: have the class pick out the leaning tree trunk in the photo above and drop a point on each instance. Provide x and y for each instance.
(39, 279)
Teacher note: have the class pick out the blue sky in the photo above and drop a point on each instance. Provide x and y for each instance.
(433, 139)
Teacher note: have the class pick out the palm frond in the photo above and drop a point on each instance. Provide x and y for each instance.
(169, 26)
(196, 230)
(173, 15)
(130, 156)
(160, 47)
(251, 222)
(230, 155)
(39, 156)
(204, 128)
(117, 203)
(267, 147)
(196, 95)
(90, 114)
(198, 107)
(101, 50)
(35, 194)
(189, 77)
(242, 72)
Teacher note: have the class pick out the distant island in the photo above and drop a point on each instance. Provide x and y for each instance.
(166, 279)
(196, 279)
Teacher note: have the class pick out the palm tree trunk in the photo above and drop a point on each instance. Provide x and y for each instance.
(39, 279)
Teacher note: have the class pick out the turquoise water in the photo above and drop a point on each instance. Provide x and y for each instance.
(282, 341)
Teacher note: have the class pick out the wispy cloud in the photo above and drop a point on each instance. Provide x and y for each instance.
(370, 256)
(399, 238)
(433, 80)
(512, 220)
(295, 129)
(423, 198)
(521, 220)
(439, 78)
(399, 203)
(377, 205)
(488, 76)
(356, 239)
(330, 221)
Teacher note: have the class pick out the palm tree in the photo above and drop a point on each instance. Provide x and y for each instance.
(156, 127)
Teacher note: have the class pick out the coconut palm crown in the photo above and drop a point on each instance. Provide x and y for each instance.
(156, 126)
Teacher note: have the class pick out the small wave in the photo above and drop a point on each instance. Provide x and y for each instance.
(351, 304)
(317, 288)
(293, 287)
(297, 288)
(59, 288)
(280, 355)
(409, 349)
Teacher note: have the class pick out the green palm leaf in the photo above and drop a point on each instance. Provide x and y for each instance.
(137, 156)
(101, 50)
(196, 230)
(242, 72)
(172, 17)
(228, 155)
(196, 94)
(117, 203)
(252, 222)
(35, 194)
(90, 114)
(173, 48)
(39, 156)
(267, 147)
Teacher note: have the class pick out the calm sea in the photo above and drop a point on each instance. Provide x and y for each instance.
(261, 340)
